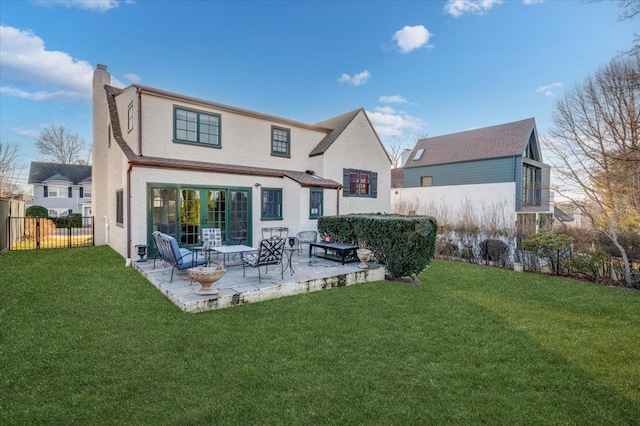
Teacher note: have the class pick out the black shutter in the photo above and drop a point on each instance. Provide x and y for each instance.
(46, 191)
(374, 184)
(70, 192)
(81, 192)
(346, 182)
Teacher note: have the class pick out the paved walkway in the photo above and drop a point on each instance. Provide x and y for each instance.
(311, 274)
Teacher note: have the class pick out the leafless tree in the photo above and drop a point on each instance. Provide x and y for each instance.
(631, 8)
(10, 168)
(594, 143)
(398, 145)
(62, 146)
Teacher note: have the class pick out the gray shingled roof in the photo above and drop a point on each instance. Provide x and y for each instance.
(40, 172)
(503, 140)
(338, 124)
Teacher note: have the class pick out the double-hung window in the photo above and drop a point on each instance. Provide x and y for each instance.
(271, 204)
(360, 183)
(280, 141)
(198, 127)
(315, 203)
(57, 191)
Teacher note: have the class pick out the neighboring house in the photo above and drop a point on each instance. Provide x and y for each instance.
(492, 177)
(61, 188)
(169, 162)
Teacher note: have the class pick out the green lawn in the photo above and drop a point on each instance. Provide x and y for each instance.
(84, 340)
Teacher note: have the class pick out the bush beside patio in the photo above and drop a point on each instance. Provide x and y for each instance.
(84, 340)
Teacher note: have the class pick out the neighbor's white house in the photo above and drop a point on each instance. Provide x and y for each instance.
(493, 177)
(174, 163)
(61, 188)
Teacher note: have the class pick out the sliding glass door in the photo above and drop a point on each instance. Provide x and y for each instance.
(183, 211)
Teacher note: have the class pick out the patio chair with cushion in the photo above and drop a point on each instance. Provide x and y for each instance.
(306, 237)
(269, 252)
(159, 249)
(171, 253)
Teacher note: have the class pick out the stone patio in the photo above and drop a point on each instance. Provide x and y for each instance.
(311, 274)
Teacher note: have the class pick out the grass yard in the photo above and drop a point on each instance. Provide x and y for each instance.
(84, 340)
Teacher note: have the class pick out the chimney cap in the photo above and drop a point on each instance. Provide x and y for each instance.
(101, 67)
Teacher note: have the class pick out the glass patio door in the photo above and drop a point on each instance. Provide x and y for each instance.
(182, 212)
(190, 215)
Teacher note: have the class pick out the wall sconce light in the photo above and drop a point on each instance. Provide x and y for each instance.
(257, 184)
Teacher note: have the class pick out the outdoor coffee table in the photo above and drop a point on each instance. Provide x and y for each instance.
(227, 250)
(335, 251)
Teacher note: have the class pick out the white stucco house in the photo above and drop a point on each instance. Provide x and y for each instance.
(61, 188)
(178, 164)
(493, 177)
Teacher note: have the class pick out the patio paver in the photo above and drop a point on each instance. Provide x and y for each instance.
(311, 274)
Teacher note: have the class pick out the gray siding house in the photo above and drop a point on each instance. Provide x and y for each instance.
(502, 161)
(61, 188)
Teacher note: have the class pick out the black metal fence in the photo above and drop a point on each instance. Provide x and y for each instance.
(32, 233)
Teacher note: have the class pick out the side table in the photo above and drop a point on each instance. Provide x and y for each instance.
(289, 252)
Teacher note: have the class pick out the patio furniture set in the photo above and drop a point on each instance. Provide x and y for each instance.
(275, 248)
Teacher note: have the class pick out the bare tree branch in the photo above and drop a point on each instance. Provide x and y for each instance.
(10, 168)
(63, 147)
(594, 145)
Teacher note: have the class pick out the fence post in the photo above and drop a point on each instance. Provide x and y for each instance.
(37, 232)
(68, 232)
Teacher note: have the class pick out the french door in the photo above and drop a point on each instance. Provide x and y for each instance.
(184, 211)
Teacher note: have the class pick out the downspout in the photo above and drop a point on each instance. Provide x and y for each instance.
(337, 201)
(129, 211)
(139, 122)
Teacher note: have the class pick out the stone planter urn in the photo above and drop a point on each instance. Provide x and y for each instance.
(207, 276)
(364, 255)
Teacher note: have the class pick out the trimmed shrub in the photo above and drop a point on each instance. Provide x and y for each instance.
(36, 211)
(550, 245)
(590, 264)
(404, 244)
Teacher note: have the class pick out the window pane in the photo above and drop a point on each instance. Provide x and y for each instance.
(353, 183)
(364, 183)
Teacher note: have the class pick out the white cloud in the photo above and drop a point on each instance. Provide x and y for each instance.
(393, 99)
(356, 80)
(530, 2)
(95, 5)
(386, 110)
(392, 123)
(411, 38)
(30, 71)
(25, 132)
(477, 7)
(548, 89)
(134, 78)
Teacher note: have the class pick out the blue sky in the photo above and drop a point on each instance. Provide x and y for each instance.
(416, 67)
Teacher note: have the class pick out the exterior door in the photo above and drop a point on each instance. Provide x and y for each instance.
(183, 212)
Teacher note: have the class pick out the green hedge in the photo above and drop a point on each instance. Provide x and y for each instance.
(404, 244)
(36, 211)
(74, 220)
